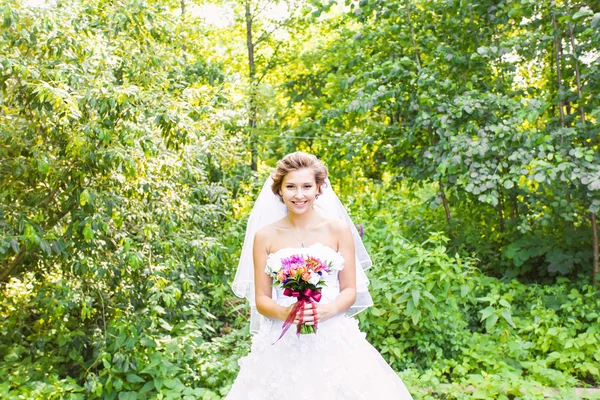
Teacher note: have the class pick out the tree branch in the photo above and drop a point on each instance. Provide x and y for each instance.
(266, 34)
(258, 12)
(557, 53)
(412, 37)
(5, 273)
(270, 63)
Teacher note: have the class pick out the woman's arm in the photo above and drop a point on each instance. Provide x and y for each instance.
(262, 282)
(347, 277)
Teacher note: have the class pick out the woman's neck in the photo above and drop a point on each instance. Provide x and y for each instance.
(302, 221)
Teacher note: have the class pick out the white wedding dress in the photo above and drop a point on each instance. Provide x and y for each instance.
(336, 363)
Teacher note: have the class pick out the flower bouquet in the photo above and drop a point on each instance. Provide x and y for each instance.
(301, 276)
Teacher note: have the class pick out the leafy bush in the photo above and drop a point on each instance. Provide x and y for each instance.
(417, 318)
(114, 207)
(124, 193)
(436, 314)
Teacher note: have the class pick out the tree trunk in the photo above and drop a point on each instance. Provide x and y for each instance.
(557, 52)
(183, 45)
(412, 36)
(5, 272)
(582, 118)
(595, 245)
(252, 95)
(501, 212)
(577, 76)
(571, 223)
(446, 208)
(476, 35)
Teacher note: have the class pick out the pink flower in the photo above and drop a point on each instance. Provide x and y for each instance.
(281, 276)
(306, 276)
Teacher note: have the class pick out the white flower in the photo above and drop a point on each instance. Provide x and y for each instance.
(337, 261)
(314, 278)
(273, 265)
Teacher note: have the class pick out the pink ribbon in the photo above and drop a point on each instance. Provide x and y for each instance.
(305, 296)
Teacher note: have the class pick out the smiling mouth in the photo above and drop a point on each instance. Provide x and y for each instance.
(300, 203)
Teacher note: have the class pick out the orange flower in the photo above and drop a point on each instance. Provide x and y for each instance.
(281, 276)
(306, 276)
(293, 273)
(301, 271)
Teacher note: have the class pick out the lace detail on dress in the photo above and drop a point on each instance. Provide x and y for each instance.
(336, 363)
(318, 249)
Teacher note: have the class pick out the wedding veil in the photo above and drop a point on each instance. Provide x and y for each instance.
(268, 209)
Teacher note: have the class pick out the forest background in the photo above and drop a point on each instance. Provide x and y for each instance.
(135, 135)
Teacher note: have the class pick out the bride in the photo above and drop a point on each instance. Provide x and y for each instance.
(297, 213)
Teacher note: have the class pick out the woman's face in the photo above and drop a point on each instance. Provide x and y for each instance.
(299, 190)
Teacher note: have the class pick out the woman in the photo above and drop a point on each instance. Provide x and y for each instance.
(300, 214)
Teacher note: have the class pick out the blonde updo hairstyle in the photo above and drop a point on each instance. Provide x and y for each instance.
(294, 162)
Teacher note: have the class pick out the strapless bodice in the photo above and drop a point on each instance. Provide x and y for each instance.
(345, 365)
(325, 253)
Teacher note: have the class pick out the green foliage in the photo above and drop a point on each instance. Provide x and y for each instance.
(465, 97)
(114, 205)
(124, 135)
(436, 314)
(419, 324)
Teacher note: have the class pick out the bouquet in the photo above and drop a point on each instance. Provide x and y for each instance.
(301, 276)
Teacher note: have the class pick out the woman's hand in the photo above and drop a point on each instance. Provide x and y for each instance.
(326, 311)
(321, 312)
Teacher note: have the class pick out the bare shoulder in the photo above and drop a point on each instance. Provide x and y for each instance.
(337, 226)
(264, 236)
(339, 230)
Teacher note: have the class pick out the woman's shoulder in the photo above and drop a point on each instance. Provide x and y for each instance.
(335, 225)
(269, 231)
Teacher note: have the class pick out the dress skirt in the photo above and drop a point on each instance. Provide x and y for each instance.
(336, 363)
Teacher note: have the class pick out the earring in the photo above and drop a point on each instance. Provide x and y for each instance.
(317, 197)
